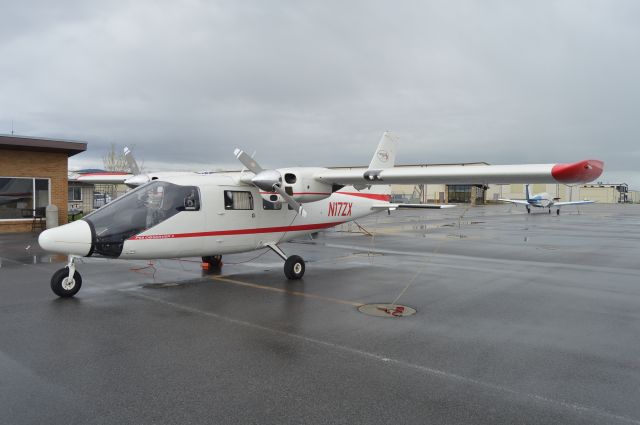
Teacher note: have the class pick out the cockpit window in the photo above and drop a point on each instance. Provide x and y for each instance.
(137, 211)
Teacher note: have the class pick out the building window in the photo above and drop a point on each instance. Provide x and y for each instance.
(75, 194)
(459, 193)
(237, 200)
(21, 197)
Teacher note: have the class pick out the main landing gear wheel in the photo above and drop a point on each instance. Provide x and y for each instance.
(214, 261)
(558, 211)
(294, 267)
(63, 286)
(549, 210)
(528, 210)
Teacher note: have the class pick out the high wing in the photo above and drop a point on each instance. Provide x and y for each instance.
(515, 201)
(559, 204)
(578, 172)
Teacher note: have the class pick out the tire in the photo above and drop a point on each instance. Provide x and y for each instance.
(294, 267)
(214, 261)
(558, 211)
(61, 286)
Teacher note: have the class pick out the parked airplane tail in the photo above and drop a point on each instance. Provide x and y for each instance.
(384, 157)
(526, 192)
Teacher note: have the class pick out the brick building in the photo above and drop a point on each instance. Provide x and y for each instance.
(33, 174)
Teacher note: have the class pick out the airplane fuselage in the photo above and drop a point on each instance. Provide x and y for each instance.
(216, 229)
(204, 215)
(541, 200)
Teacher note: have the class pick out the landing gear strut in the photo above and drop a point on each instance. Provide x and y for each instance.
(293, 266)
(549, 210)
(528, 210)
(214, 261)
(66, 282)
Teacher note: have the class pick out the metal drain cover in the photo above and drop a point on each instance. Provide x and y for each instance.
(386, 310)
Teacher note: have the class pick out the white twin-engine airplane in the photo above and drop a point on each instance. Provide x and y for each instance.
(542, 200)
(208, 215)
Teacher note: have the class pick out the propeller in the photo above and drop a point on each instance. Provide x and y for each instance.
(268, 180)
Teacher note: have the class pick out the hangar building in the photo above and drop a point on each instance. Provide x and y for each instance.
(33, 174)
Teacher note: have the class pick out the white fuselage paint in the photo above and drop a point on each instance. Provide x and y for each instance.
(541, 200)
(214, 230)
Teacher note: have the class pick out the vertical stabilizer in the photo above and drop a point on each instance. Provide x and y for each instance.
(526, 192)
(131, 162)
(385, 155)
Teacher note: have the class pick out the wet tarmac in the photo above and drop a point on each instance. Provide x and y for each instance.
(519, 319)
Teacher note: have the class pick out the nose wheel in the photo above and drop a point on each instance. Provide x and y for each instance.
(66, 282)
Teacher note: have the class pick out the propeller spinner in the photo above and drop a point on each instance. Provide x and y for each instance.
(268, 180)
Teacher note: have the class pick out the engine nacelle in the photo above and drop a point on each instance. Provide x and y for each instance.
(300, 184)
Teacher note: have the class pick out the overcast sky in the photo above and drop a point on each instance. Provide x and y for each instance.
(316, 83)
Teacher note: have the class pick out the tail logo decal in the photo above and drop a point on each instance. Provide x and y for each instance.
(383, 155)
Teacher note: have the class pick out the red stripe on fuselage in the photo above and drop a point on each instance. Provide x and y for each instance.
(376, 196)
(298, 193)
(301, 227)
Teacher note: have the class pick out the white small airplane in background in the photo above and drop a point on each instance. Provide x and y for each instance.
(542, 200)
(210, 214)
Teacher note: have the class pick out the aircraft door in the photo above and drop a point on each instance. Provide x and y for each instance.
(232, 219)
(272, 215)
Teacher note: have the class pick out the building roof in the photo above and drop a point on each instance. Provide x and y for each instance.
(38, 144)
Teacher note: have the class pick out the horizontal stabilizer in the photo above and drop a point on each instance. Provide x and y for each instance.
(560, 204)
(515, 201)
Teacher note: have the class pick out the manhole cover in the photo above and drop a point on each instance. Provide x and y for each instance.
(386, 310)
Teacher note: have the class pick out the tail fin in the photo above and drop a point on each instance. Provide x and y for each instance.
(131, 162)
(526, 192)
(385, 156)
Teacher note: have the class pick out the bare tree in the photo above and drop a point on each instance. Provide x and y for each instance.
(114, 160)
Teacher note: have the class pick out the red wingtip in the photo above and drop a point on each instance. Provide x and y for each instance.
(578, 172)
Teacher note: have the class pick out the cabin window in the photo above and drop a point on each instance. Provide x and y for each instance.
(237, 200)
(137, 211)
(267, 205)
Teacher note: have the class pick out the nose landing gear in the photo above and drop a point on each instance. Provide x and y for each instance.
(66, 282)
